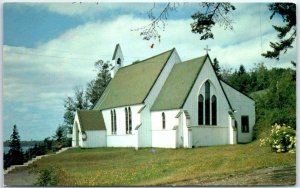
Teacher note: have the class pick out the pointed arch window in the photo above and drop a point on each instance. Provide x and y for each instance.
(112, 121)
(163, 120)
(200, 109)
(207, 103)
(115, 121)
(126, 120)
(129, 120)
(214, 110)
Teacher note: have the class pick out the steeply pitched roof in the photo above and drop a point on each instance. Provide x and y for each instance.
(115, 52)
(178, 84)
(132, 83)
(91, 120)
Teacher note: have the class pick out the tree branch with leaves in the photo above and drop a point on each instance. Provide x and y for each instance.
(204, 20)
(287, 32)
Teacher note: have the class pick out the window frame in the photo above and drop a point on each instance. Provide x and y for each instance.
(129, 121)
(112, 121)
(115, 122)
(200, 109)
(214, 110)
(207, 103)
(245, 127)
(163, 120)
(126, 120)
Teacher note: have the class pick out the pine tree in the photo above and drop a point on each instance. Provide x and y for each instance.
(15, 152)
(286, 33)
(216, 67)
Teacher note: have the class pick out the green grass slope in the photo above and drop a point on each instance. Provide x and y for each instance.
(126, 166)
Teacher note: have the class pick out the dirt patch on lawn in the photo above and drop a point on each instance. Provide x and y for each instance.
(262, 177)
(21, 176)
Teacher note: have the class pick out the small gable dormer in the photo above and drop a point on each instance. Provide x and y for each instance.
(118, 60)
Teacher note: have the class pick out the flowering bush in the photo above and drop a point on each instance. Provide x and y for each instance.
(281, 139)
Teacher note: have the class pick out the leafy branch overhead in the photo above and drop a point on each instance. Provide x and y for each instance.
(150, 31)
(287, 32)
(214, 13)
(204, 20)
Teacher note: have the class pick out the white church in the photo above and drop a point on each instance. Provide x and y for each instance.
(164, 102)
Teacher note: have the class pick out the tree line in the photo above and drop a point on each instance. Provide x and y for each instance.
(273, 90)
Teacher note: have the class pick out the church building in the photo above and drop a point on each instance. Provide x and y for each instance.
(164, 102)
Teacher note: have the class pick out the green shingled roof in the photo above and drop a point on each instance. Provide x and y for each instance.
(91, 120)
(178, 84)
(132, 83)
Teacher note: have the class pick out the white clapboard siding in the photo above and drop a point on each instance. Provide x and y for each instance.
(95, 139)
(145, 131)
(126, 140)
(191, 104)
(164, 138)
(121, 139)
(209, 135)
(243, 105)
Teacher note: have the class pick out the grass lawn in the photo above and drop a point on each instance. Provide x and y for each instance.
(126, 166)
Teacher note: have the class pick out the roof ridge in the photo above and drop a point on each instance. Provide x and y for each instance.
(86, 110)
(147, 59)
(194, 58)
(171, 81)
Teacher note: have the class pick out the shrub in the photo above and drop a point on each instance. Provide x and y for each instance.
(52, 176)
(47, 177)
(281, 139)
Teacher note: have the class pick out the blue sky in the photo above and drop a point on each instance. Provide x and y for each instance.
(49, 49)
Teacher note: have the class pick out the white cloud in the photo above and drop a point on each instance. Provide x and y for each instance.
(90, 9)
(53, 69)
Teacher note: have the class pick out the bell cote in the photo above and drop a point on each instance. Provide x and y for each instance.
(117, 60)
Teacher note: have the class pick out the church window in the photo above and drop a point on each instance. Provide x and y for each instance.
(200, 110)
(112, 122)
(119, 62)
(214, 110)
(245, 124)
(130, 120)
(115, 122)
(207, 103)
(163, 120)
(126, 120)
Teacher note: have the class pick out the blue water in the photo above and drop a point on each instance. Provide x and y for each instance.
(24, 148)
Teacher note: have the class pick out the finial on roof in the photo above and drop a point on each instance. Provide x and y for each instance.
(207, 49)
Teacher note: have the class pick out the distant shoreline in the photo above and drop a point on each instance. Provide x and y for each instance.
(23, 143)
(24, 148)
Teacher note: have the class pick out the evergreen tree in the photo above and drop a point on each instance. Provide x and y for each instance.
(240, 80)
(286, 33)
(97, 86)
(216, 67)
(15, 153)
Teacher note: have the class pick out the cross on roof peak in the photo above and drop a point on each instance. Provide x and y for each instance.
(207, 49)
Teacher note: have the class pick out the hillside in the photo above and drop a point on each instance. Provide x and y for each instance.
(126, 166)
